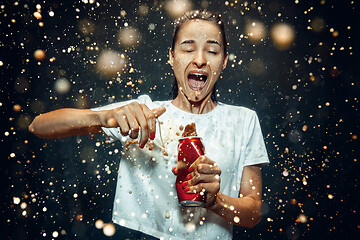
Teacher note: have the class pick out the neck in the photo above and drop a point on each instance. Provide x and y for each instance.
(203, 106)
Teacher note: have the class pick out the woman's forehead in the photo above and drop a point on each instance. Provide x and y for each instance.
(198, 30)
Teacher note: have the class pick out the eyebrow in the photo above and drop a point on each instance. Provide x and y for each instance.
(188, 41)
(208, 41)
(213, 42)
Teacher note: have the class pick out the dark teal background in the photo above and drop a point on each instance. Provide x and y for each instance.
(326, 155)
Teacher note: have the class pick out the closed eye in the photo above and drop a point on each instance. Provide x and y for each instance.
(212, 52)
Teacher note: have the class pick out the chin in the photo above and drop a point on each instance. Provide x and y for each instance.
(197, 96)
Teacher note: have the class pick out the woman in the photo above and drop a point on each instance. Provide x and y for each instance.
(229, 172)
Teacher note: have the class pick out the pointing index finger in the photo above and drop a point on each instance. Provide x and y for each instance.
(158, 111)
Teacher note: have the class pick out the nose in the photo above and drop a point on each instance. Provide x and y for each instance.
(199, 60)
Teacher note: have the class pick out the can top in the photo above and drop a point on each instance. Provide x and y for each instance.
(189, 138)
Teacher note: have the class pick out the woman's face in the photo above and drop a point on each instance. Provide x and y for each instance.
(198, 58)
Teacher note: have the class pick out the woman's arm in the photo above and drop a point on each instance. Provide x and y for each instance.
(67, 122)
(246, 210)
(72, 122)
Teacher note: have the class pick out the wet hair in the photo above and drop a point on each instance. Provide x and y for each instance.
(206, 15)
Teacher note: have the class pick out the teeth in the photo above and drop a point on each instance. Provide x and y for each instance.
(200, 76)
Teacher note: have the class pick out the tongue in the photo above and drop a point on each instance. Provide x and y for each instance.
(196, 84)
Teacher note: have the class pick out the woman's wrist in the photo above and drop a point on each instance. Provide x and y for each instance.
(216, 204)
(101, 118)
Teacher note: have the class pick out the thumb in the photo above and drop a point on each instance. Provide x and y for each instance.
(158, 111)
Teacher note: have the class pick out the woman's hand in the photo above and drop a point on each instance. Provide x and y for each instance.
(134, 116)
(204, 175)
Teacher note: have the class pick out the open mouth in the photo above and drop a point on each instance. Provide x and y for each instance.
(197, 81)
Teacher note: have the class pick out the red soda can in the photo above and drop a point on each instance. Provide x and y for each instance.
(189, 149)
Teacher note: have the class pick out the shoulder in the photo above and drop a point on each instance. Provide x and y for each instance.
(146, 99)
(142, 99)
(236, 110)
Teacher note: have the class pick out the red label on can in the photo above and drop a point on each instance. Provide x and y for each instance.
(189, 149)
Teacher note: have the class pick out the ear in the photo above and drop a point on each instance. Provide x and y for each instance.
(171, 57)
(225, 60)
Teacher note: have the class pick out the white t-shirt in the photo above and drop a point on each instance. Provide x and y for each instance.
(146, 198)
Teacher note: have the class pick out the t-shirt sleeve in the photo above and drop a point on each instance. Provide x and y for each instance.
(255, 150)
(113, 134)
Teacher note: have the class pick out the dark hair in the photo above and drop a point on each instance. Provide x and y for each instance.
(206, 15)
